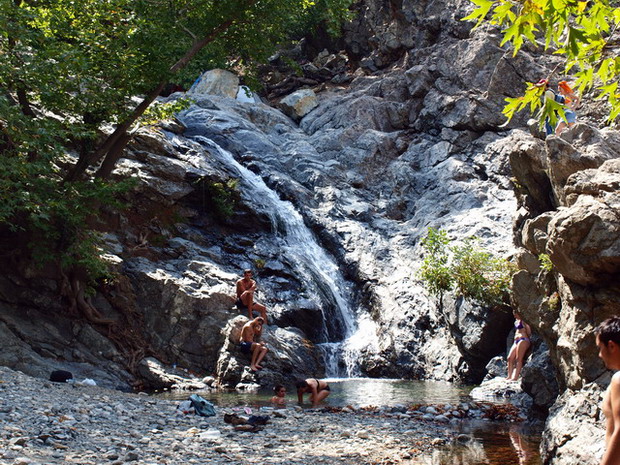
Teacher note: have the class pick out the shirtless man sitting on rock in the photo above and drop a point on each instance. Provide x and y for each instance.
(251, 330)
(246, 287)
(608, 343)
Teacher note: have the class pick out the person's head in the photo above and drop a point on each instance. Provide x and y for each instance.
(247, 273)
(516, 314)
(258, 321)
(301, 385)
(564, 88)
(279, 390)
(608, 342)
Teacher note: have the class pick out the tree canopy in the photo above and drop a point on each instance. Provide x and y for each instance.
(584, 33)
(69, 72)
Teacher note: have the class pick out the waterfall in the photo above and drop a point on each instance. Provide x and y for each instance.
(315, 266)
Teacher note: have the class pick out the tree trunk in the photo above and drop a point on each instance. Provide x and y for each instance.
(112, 148)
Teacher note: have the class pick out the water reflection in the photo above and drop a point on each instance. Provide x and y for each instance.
(491, 444)
(361, 392)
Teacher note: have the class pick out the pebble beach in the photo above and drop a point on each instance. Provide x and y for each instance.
(42, 422)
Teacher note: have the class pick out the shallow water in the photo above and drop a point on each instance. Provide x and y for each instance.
(357, 392)
(493, 443)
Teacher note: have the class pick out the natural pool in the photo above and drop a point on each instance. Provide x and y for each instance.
(494, 443)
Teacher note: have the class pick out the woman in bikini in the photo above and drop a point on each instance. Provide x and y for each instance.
(318, 390)
(519, 347)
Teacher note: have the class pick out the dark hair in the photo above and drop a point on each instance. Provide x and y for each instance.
(301, 383)
(277, 387)
(609, 330)
(247, 270)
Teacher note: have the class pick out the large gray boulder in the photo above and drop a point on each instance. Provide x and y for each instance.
(574, 432)
(216, 82)
(290, 356)
(299, 103)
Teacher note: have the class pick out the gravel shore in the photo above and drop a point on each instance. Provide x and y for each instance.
(50, 423)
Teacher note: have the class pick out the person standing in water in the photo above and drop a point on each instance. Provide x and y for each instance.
(608, 343)
(519, 347)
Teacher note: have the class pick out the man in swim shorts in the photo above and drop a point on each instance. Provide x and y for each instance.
(318, 390)
(246, 287)
(251, 330)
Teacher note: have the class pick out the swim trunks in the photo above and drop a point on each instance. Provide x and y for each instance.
(246, 347)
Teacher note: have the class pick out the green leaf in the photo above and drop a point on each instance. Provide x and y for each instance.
(480, 13)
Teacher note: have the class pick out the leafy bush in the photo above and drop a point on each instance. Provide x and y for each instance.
(545, 262)
(435, 272)
(223, 197)
(467, 268)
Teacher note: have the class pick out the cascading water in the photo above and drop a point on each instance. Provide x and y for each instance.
(315, 266)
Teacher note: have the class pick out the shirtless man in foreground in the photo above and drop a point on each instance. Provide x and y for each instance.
(246, 287)
(253, 329)
(608, 343)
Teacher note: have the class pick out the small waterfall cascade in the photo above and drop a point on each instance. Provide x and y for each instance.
(316, 268)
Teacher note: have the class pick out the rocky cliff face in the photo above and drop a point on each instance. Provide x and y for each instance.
(406, 141)
(568, 218)
(404, 134)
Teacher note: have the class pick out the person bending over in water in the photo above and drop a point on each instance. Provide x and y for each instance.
(519, 347)
(318, 390)
(279, 400)
(608, 343)
(246, 287)
(258, 350)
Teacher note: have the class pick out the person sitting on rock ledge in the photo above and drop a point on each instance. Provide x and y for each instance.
(246, 287)
(519, 347)
(608, 343)
(318, 390)
(251, 330)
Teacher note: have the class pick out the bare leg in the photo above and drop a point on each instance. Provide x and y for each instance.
(248, 300)
(319, 397)
(262, 310)
(261, 352)
(250, 305)
(511, 361)
(561, 126)
(256, 348)
(522, 347)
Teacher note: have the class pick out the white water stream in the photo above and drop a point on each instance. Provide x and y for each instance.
(316, 268)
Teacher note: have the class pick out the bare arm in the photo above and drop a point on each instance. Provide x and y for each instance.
(300, 396)
(314, 395)
(612, 454)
